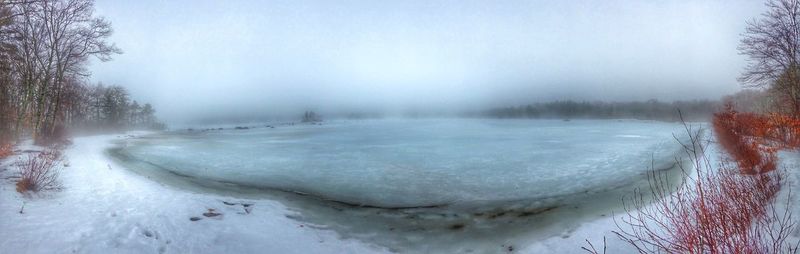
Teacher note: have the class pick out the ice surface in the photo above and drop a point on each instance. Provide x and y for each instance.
(413, 163)
(105, 208)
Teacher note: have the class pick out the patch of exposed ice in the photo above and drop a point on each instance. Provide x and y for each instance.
(419, 163)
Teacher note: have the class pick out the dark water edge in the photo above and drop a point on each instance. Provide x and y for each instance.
(469, 227)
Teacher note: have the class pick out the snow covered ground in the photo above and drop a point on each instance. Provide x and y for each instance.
(105, 208)
(789, 195)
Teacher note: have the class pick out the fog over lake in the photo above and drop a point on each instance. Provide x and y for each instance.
(278, 58)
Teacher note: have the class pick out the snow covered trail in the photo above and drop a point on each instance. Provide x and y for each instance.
(104, 208)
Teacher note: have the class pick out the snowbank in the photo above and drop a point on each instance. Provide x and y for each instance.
(790, 192)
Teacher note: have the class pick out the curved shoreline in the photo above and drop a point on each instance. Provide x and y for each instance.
(230, 187)
(417, 228)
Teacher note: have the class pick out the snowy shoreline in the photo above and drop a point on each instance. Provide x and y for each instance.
(106, 207)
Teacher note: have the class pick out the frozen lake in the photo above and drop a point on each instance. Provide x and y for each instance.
(397, 163)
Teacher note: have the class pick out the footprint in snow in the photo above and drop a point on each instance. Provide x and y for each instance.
(155, 235)
(248, 207)
(212, 213)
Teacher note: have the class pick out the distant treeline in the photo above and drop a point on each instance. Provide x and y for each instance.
(693, 110)
(102, 107)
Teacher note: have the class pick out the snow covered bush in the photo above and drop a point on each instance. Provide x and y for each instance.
(39, 171)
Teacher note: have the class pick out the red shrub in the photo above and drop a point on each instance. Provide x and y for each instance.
(718, 210)
(5, 150)
(753, 140)
(39, 171)
(721, 208)
(738, 133)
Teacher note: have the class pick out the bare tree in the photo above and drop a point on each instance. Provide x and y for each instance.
(45, 47)
(772, 44)
(54, 40)
(7, 88)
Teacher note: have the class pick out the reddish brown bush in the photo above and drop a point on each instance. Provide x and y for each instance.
(725, 208)
(743, 136)
(5, 150)
(39, 171)
(753, 140)
(717, 210)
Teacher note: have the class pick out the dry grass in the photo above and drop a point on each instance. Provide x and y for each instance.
(39, 172)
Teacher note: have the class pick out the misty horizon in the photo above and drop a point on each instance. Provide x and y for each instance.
(278, 59)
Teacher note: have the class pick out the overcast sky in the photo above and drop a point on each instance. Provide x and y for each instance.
(214, 58)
